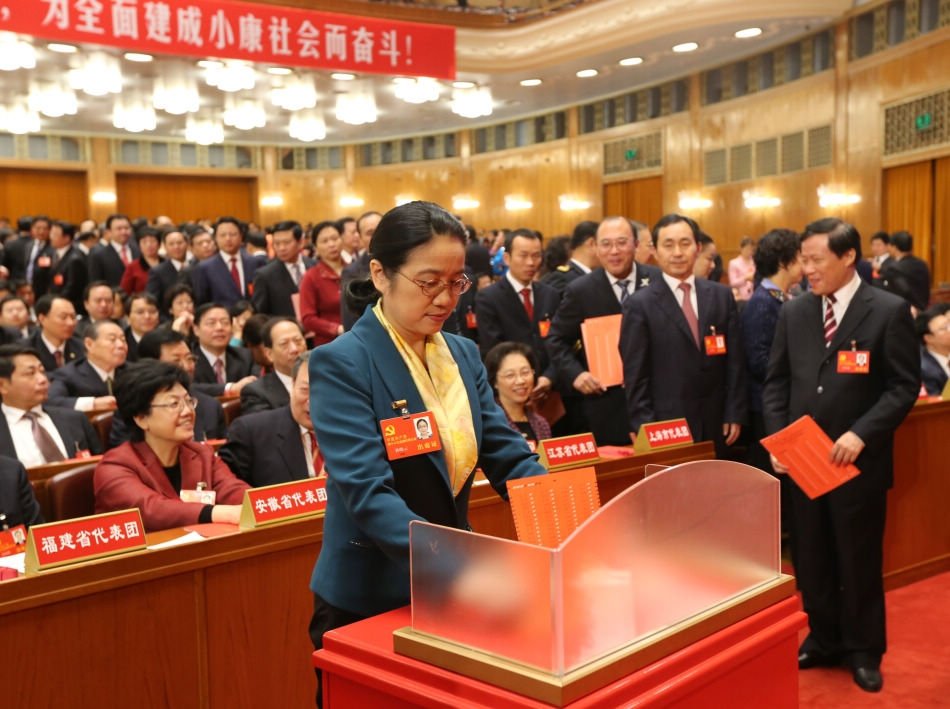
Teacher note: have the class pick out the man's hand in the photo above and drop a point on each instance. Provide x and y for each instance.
(103, 403)
(587, 383)
(846, 449)
(234, 389)
(731, 432)
(778, 467)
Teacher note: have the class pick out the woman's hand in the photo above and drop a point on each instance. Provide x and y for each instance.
(226, 514)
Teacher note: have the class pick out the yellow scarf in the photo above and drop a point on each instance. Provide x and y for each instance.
(443, 393)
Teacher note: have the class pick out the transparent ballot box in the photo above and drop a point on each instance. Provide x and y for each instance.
(669, 550)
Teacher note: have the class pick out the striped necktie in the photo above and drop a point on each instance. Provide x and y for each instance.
(831, 325)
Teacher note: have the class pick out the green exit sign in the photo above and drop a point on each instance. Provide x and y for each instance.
(924, 121)
(630, 154)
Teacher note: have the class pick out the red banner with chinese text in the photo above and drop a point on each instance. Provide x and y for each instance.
(251, 32)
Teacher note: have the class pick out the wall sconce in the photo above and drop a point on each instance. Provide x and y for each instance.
(754, 200)
(402, 199)
(517, 204)
(833, 196)
(103, 197)
(351, 201)
(272, 200)
(570, 203)
(693, 200)
(460, 202)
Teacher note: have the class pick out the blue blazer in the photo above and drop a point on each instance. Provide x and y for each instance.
(758, 319)
(364, 563)
(213, 282)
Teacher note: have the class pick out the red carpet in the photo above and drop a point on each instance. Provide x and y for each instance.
(916, 667)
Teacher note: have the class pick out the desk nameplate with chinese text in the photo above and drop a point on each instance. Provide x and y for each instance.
(660, 435)
(567, 451)
(83, 539)
(284, 501)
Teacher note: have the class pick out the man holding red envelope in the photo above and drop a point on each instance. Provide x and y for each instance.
(845, 354)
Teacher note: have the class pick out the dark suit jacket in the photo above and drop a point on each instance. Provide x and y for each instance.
(909, 278)
(106, 265)
(68, 277)
(562, 276)
(273, 287)
(209, 421)
(74, 349)
(74, 380)
(263, 395)
(73, 426)
(501, 318)
(160, 279)
(16, 255)
(667, 376)
(363, 565)
(803, 377)
(238, 363)
(16, 495)
(357, 269)
(213, 282)
(132, 476)
(759, 318)
(265, 448)
(931, 373)
(592, 296)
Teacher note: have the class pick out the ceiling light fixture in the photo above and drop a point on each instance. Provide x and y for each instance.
(19, 118)
(138, 57)
(685, 47)
(53, 99)
(176, 90)
(210, 64)
(748, 33)
(342, 76)
(231, 76)
(356, 108)
(296, 93)
(15, 53)
(98, 74)
(472, 103)
(586, 73)
(307, 126)
(463, 84)
(530, 82)
(61, 48)
(631, 61)
(133, 113)
(204, 131)
(279, 70)
(421, 90)
(244, 113)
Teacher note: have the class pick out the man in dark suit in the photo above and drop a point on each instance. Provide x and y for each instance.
(86, 384)
(359, 267)
(583, 256)
(275, 283)
(670, 369)
(933, 328)
(30, 430)
(168, 272)
(67, 273)
(227, 277)
(108, 259)
(17, 502)
(598, 293)
(283, 343)
(167, 345)
(517, 308)
(15, 317)
(98, 302)
(55, 338)
(220, 368)
(837, 538)
(20, 254)
(905, 274)
(278, 445)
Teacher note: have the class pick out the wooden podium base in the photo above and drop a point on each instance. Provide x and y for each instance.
(748, 664)
(561, 690)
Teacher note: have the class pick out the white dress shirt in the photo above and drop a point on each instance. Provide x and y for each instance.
(21, 431)
(520, 287)
(843, 298)
(240, 267)
(87, 403)
(674, 284)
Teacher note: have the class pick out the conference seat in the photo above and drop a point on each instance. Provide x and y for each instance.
(103, 424)
(232, 409)
(71, 493)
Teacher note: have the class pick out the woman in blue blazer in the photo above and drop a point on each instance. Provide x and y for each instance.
(397, 353)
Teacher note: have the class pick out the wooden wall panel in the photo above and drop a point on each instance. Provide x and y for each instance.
(940, 267)
(908, 198)
(186, 197)
(59, 194)
(640, 199)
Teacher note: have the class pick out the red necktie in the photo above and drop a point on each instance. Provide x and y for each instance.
(58, 356)
(125, 255)
(688, 311)
(830, 323)
(235, 275)
(219, 370)
(316, 455)
(526, 297)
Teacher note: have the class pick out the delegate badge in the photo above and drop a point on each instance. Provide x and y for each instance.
(854, 362)
(409, 435)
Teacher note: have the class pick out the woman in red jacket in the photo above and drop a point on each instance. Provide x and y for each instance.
(320, 286)
(136, 273)
(161, 460)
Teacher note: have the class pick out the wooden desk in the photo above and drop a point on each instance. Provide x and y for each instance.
(917, 533)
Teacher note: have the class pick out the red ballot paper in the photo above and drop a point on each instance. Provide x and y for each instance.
(602, 347)
(547, 508)
(806, 450)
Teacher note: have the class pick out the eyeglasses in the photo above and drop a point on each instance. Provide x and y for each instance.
(178, 405)
(432, 288)
(620, 243)
(512, 375)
